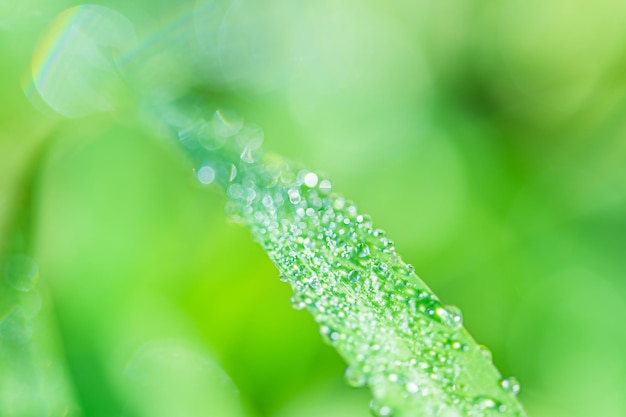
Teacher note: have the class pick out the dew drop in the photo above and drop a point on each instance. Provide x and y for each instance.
(364, 297)
(351, 208)
(450, 315)
(355, 377)
(297, 302)
(457, 345)
(294, 195)
(330, 336)
(325, 186)
(484, 350)
(484, 402)
(310, 179)
(380, 410)
(455, 314)
(339, 203)
(362, 250)
(412, 387)
(511, 384)
(235, 191)
(206, 175)
(354, 276)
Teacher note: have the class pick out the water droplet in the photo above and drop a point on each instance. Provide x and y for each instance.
(457, 345)
(325, 186)
(388, 245)
(380, 410)
(21, 272)
(484, 350)
(206, 175)
(362, 250)
(298, 302)
(351, 208)
(450, 316)
(330, 336)
(234, 212)
(340, 202)
(310, 179)
(267, 201)
(366, 300)
(412, 387)
(455, 314)
(354, 276)
(294, 195)
(355, 377)
(484, 402)
(235, 191)
(511, 384)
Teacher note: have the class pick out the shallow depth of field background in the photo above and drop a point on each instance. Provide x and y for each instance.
(488, 138)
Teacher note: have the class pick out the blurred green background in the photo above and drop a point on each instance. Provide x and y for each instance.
(488, 138)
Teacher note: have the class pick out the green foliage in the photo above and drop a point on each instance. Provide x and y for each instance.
(486, 138)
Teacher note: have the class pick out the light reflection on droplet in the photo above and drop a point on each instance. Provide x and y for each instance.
(325, 186)
(355, 377)
(412, 387)
(227, 122)
(510, 384)
(246, 156)
(233, 173)
(294, 196)
(206, 175)
(380, 410)
(310, 179)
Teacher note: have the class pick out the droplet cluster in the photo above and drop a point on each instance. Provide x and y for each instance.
(397, 337)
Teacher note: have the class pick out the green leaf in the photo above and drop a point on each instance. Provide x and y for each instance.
(394, 333)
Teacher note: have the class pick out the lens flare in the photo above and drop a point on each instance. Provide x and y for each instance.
(74, 67)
